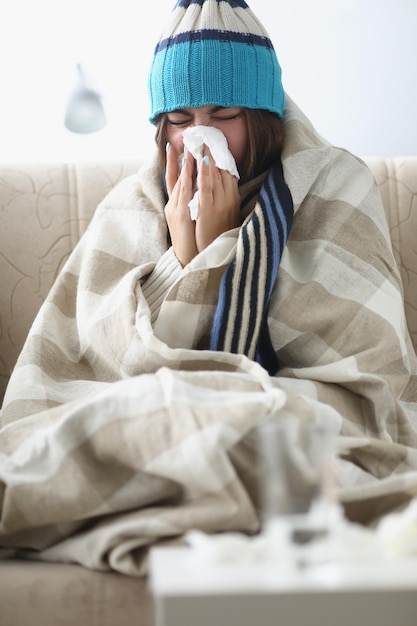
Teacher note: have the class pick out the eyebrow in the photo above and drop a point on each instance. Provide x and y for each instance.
(214, 109)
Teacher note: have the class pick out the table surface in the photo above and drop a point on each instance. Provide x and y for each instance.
(179, 571)
(189, 591)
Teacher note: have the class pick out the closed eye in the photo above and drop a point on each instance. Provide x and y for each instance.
(179, 122)
(228, 118)
(216, 115)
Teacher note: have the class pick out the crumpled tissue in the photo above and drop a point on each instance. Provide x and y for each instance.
(195, 138)
(397, 532)
(395, 537)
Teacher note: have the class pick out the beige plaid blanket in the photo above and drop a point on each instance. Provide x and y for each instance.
(120, 429)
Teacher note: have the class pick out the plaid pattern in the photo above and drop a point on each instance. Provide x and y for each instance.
(135, 431)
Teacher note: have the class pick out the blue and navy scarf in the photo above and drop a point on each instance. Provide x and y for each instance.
(240, 322)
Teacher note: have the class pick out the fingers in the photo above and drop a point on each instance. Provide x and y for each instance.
(217, 185)
(177, 212)
(219, 203)
(186, 178)
(172, 169)
(209, 174)
(181, 173)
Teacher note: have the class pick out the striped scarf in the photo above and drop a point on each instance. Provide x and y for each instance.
(240, 320)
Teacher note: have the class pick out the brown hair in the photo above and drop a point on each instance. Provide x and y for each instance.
(265, 133)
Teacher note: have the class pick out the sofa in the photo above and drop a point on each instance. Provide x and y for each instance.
(44, 209)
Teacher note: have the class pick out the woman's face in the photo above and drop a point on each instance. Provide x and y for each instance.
(231, 121)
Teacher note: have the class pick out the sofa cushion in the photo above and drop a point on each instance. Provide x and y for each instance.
(53, 594)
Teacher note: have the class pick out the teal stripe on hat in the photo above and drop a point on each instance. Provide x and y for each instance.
(215, 71)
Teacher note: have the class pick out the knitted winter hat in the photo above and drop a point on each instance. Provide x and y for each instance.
(214, 52)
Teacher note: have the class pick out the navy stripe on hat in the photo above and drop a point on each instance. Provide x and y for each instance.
(213, 35)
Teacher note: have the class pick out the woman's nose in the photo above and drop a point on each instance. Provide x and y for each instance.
(201, 120)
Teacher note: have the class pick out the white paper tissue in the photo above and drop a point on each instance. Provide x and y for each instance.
(397, 532)
(195, 138)
(395, 537)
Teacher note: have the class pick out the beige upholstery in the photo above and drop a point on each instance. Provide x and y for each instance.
(50, 594)
(44, 208)
(397, 181)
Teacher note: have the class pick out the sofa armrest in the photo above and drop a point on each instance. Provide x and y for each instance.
(397, 181)
(44, 209)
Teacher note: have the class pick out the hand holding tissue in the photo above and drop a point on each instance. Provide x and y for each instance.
(195, 138)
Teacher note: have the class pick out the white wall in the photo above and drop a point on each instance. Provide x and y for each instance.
(352, 66)
(349, 64)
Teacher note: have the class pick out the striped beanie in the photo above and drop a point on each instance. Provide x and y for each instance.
(214, 52)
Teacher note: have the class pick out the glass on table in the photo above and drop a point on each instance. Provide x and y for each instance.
(297, 488)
